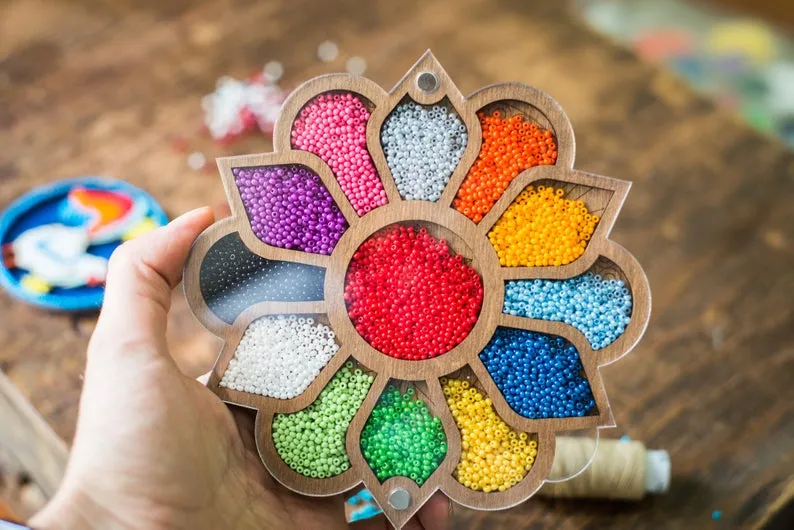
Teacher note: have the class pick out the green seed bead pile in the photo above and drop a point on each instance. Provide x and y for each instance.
(312, 441)
(402, 438)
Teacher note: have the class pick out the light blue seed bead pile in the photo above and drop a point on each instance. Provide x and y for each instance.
(598, 307)
(423, 145)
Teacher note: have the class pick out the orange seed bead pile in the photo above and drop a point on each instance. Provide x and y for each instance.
(541, 229)
(509, 146)
(493, 456)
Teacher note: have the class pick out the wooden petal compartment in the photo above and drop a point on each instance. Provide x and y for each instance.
(602, 291)
(317, 418)
(232, 278)
(421, 170)
(528, 476)
(235, 275)
(333, 126)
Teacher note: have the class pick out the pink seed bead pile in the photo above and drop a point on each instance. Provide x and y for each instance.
(289, 207)
(334, 127)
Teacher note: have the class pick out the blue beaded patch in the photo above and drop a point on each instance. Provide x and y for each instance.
(540, 376)
(599, 308)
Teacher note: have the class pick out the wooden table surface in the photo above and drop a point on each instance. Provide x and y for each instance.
(103, 87)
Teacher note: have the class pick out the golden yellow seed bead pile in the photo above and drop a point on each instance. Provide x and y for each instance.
(541, 229)
(493, 456)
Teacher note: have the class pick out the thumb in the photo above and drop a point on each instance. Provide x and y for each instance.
(141, 275)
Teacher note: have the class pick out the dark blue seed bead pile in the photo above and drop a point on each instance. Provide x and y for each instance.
(599, 308)
(232, 278)
(539, 375)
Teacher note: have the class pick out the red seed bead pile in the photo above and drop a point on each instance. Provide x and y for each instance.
(509, 146)
(409, 296)
(334, 127)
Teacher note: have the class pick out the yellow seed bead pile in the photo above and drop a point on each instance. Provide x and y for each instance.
(493, 456)
(541, 228)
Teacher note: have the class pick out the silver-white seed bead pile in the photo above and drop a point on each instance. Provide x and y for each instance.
(280, 356)
(423, 145)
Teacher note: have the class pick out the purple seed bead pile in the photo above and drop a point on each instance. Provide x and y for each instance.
(289, 207)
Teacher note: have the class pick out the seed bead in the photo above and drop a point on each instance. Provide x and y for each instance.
(333, 126)
(509, 146)
(423, 145)
(232, 279)
(402, 438)
(289, 207)
(598, 307)
(541, 229)
(409, 296)
(312, 441)
(540, 376)
(493, 456)
(279, 356)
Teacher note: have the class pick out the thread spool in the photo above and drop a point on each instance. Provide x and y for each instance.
(620, 469)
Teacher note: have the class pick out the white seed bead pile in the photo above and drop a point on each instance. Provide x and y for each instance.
(423, 145)
(280, 356)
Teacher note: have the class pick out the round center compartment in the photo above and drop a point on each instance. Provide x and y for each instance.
(412, 290)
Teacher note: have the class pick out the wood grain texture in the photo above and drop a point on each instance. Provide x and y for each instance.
(29, 439)
(101, 87)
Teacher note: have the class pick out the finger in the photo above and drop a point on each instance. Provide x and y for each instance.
(436, 514)
(141, 275)
(246, 423)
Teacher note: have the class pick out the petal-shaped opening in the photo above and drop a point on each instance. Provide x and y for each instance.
(540, 376)
(232, 279)
(312, 441)
(423, 145)
(279, 356)
(333, 126)
(494, 457)
(515, 137)
(547, 225)
(289, 207)
(598, 303)
(402, 437)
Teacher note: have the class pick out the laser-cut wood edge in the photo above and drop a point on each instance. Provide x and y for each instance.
(562, 172)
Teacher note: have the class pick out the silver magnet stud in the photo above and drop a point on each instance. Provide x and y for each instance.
(427, 82)
(399, 499)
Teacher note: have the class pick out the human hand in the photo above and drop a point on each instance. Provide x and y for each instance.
(155, 448)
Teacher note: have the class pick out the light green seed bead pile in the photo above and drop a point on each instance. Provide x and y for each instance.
(312, 441)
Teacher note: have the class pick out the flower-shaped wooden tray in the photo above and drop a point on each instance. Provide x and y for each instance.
(233, 277)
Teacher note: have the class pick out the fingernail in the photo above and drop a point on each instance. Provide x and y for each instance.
(202, 211)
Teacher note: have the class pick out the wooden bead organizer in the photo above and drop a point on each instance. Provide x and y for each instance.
(426, 83)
